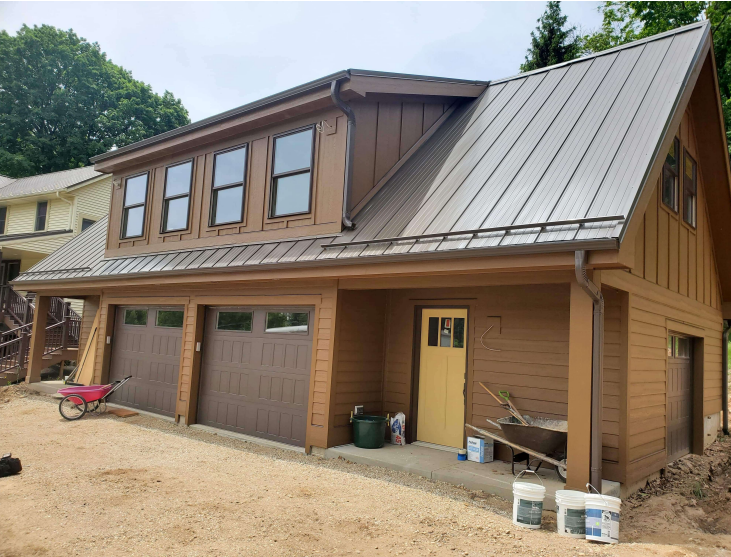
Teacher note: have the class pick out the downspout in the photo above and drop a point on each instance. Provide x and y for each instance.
(71, 209)
(349, 147)
(597, 354)
(724, 375)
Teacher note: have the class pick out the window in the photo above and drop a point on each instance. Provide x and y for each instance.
(41, 212)
(234, 321)
(292, 173)
(86, 223)
(678, 347)
(690, 189)
(229, 181)
(178, 179)
(433, 338)
(133, 213)
(458, 341)
(135, 317)
(3, 218)
(446, 332)
(169, 318)
(285, 322)
(670, 176)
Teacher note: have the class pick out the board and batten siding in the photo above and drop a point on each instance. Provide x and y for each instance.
(358, 364)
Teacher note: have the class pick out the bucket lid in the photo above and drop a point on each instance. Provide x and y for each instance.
(529, 489)
(570, 497)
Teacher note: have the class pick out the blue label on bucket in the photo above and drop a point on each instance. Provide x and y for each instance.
(602, 524)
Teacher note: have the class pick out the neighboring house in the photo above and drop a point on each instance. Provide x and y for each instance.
(40, 213)
(230, 283)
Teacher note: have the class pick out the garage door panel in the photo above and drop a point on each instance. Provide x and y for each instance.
(151, 355)
(265, 376)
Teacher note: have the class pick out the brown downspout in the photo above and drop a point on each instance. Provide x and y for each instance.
(595, 477)
(724, 375)
(349, 147)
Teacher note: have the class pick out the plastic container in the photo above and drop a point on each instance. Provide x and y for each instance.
(602, 518)
(462, 454)
(571, 513)
(528, 502)
(369, 432)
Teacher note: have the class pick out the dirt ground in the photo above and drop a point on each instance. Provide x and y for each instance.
(144, 486)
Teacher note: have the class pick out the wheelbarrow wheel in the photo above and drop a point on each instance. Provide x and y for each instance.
(561, 471)
(72, 407)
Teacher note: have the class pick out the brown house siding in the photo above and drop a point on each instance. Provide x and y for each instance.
(91, 306)
(612, 375)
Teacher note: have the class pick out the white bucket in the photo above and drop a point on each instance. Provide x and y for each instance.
(570, 513)
(602, 518)
(528, 502)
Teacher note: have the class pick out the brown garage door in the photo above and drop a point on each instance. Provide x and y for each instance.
(680, 397)
(146, 345)
(255, 376)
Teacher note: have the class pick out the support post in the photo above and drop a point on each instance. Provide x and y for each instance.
(38, 339)
(579, 407)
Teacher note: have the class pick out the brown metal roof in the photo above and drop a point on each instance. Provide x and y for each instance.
(545, 161)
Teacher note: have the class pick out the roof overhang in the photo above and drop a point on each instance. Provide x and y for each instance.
(300, 100)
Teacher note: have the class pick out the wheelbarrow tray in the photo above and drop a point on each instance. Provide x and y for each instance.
(536, 436)
(89, 393)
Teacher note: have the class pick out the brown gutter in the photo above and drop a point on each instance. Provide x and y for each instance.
(349, 149)
(597, 371)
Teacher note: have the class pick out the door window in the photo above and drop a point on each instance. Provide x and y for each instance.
(446, 332)
(678, 347)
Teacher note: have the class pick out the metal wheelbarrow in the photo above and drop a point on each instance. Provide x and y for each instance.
(543, 439)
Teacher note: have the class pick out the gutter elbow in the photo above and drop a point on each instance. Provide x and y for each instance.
(349, 148)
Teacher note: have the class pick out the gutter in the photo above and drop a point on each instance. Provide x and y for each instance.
(724, 375)
(597, 371)
(349, 149)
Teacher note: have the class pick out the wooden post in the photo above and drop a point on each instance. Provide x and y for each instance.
(38, 340)
(579, 411)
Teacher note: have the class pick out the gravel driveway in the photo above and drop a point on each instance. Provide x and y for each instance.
(143, 486)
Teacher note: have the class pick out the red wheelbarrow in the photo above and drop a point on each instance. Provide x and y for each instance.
(79, 400)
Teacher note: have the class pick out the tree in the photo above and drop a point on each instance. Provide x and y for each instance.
(623, 22)
(551, 42)
(62, 102)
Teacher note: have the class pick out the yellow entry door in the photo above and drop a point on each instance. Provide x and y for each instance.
(442, 366)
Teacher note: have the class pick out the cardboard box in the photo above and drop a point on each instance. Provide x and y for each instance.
(480, 449)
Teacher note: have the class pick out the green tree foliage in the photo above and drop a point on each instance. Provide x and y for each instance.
(623, 22)
(62, 101)
(551, 42)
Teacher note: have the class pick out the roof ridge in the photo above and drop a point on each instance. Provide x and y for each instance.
(632, 44)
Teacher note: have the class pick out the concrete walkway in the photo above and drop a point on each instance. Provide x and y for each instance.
(492, 477)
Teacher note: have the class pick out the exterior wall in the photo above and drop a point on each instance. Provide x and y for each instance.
(323, 297)
(92, 202)
(327, 190)
(21, 218)
(358, 366)
(88, 311)
(613, 378)
(385, 132)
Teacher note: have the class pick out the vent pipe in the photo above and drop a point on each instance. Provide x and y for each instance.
(349, 147)
(597, 354)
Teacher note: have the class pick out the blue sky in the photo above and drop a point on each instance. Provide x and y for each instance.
(217, 56)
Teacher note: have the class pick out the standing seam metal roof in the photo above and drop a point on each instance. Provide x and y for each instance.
(567, 143)
(45, 183)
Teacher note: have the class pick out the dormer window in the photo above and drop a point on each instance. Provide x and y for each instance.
(229, 182)
(133, 212)
(176, 204)
(292, 175)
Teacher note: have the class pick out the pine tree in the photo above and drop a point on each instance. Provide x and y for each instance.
(551, 42)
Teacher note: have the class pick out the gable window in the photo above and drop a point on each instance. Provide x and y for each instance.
(41, 213)
(133, 213)
(229, 182)
(3, 219)
(86, 223)
(292, 175)
(690, 189)
(178, 180)
(670, 176)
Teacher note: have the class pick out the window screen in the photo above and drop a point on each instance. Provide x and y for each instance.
(292, 173)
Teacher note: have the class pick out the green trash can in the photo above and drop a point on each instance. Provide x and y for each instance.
(369, 432)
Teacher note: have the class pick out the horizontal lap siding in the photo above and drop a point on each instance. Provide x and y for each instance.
(358, 373)
(92, 202)
(612, 375)
(323, 360)
(88, 314)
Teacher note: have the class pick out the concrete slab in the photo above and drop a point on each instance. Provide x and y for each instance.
(46, 387)
(493, 477)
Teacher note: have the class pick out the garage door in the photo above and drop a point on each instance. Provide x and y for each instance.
(680, 398)
(147, 342)
(255, 375)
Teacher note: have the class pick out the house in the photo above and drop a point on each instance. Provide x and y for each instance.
(393, 240)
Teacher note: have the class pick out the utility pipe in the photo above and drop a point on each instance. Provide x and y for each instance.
(349, 148)
(71, 210)
(724, 375)
(597, 372)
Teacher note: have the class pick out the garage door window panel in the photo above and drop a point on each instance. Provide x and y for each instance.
(135, 317)
(287, 322)
(235, 321)
(169, 318)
